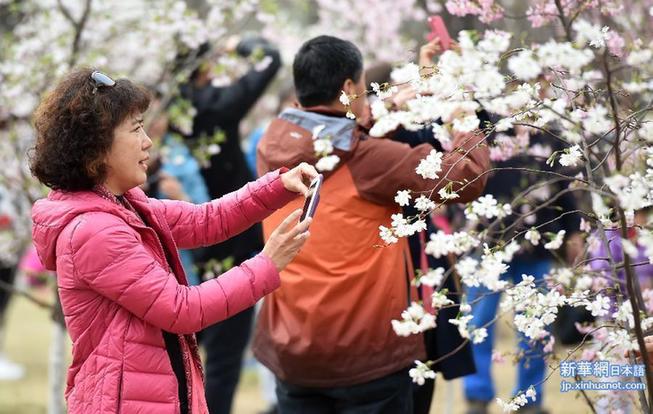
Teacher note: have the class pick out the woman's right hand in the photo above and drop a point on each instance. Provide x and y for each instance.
(286, 240)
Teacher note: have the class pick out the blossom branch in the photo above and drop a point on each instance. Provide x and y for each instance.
(78, 26)
(12, 289)
(637, 307)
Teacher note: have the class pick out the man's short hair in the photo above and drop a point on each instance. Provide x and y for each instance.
(321, 66)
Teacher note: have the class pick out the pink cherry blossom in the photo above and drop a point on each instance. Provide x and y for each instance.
(616, 44)
(487, 10)
(542, 13)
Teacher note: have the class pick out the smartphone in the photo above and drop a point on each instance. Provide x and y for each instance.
(313, 198)
(439, 30)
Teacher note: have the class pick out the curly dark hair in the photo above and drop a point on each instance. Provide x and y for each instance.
(75, 124)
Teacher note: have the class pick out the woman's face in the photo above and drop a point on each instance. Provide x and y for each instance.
(127, 159)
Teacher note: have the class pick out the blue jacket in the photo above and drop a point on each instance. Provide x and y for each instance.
(178, 162)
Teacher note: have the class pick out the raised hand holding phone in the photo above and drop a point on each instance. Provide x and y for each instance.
(287, 239)
(438, 41)
(439, 31)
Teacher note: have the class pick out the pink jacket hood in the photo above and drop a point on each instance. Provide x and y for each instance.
(52, 214)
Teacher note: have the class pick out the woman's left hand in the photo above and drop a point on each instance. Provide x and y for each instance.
(299, 178)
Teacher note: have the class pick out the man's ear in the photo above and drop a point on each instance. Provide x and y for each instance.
(349, 87)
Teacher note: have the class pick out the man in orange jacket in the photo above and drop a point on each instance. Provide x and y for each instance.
(326, 333)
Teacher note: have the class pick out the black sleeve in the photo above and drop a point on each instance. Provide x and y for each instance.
(233, 102)
(485, 118)
(425, 134)
(415, 138)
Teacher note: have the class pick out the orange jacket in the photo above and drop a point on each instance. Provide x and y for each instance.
(329, 323)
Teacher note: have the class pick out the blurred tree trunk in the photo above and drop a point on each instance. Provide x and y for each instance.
(56, 363)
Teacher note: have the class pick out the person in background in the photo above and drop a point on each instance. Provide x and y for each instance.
(177, 177)
(327, 335)
(643, 270)
(9, 256)
(444, 339)
(220, 109)
(616, 289)
(533, 260)
(287, 99)
(12, 223)
(34, 271)
(127, 306)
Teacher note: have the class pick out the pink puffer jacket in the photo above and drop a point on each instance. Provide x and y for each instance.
(119, 292)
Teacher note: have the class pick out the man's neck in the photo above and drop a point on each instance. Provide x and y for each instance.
(333, 108)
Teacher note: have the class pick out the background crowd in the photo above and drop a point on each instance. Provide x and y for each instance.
(324, 342)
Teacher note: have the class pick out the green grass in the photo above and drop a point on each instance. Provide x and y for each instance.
(28, 336)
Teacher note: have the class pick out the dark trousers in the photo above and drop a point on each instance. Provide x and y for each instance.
(7, 275)
(391, 394)
(225, 344)
(423, 396)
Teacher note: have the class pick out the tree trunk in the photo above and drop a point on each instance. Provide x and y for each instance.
(57, 369)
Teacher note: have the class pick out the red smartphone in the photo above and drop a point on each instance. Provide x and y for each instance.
(439, 30)
(313, 199)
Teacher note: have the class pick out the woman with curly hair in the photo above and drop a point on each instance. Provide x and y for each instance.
(129, 310)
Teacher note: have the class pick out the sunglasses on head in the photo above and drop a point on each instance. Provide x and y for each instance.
(100, 79)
